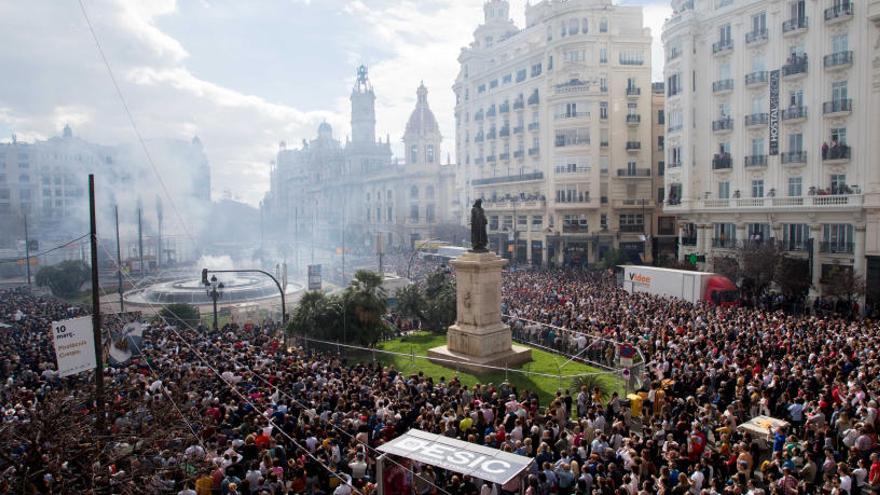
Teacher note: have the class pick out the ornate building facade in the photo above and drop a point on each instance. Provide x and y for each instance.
(554, 131)
(772, 112)
(355, 192)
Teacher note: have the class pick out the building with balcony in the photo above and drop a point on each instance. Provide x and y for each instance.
(776, 140)
(577, 81)
(355, 192)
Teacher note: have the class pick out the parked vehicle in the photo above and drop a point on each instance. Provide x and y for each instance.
(688, 285)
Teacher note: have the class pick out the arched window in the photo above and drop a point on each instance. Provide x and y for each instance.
(429, 153)
(414, 192)
(429, 192)
(573, 25)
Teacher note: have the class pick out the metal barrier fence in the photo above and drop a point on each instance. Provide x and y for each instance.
(587, 348)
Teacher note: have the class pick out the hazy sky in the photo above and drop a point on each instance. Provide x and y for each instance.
(242, 75)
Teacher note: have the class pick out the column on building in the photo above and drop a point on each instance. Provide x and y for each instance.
(815, 233)
(859, 250)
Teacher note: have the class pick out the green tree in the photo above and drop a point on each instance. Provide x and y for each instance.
(793, 277)
(758, 264)
(364, 303)
(727, 266)
(64, 279)
(180, 315)
(611, 259)
(411, 302)
(441, 304)
(308, 313)
(843, 283)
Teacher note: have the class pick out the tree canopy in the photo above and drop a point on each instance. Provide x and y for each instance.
(64, 279)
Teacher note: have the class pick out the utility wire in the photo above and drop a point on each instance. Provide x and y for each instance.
(131, 120)
(41, 253)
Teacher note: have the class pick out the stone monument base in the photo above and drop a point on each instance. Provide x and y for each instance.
(511, 358)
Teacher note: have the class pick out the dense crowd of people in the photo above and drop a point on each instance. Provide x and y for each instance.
(262, 419)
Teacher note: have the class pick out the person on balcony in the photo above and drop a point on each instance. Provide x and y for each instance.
(825, 150)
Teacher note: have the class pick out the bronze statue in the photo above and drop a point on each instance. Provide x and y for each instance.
(479, 237)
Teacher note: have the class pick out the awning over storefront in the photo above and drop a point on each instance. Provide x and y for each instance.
(458, 456)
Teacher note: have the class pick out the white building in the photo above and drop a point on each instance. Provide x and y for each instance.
(772, 128)
(553, 127)
(327, 188)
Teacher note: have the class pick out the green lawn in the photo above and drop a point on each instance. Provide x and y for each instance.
(542, 362)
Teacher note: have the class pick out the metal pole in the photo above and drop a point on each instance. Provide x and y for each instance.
(27, 251)
(141, 239)
(119, 262)
(96, 315)
(214, 298)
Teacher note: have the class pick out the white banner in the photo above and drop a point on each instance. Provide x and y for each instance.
(74, 345)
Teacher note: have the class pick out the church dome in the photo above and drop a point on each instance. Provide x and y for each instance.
(422, 120)
(325, 128)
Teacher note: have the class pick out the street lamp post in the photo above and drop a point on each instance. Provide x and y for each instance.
(215, 291)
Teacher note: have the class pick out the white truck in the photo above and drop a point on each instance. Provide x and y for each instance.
(684, 284)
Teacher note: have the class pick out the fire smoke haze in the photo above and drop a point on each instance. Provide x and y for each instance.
(240, 75)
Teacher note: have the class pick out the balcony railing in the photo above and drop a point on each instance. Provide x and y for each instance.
(756, 161)
(722, 46)
(634, 172)
(533, 126)
(533, 151)
(490, 159)
(796, 67)
(837, 106)
(722, 86)
(563, 141)
(504, 132)
(794, 113)
(534, 99)
(518, 153)
(723, 243)
(757, 36)
(836, 247)
(792, 245)
(633, 119)
(507, 179)
(571, 115)
(633, 145)
(673, 165)
(479, 138)
(755, 78)
(504, 156)
(757, 119)
(631, 228)
(490, 134)
(568, 228)
(490, 112)
(839, 12)
(519, 105)
(839, 152)
(579, 198)
(722, 162)
(793, 25)
(829, 201)
(633, 91)
(518, 130)
(504, 108)
(478, 116)
(724, 124)
(838, 60)
(799, 157)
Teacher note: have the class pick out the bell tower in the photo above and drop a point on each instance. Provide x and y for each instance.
(363, 109)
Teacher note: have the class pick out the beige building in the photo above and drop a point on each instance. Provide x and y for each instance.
(351, 194)
(773, 111)
(553, 126)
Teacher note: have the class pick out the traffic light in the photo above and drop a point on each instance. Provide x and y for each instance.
(204, 276)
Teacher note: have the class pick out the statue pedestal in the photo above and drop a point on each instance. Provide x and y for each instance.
(479, 338)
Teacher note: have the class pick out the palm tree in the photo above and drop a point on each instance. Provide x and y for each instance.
(308, 313)
(366, 298)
